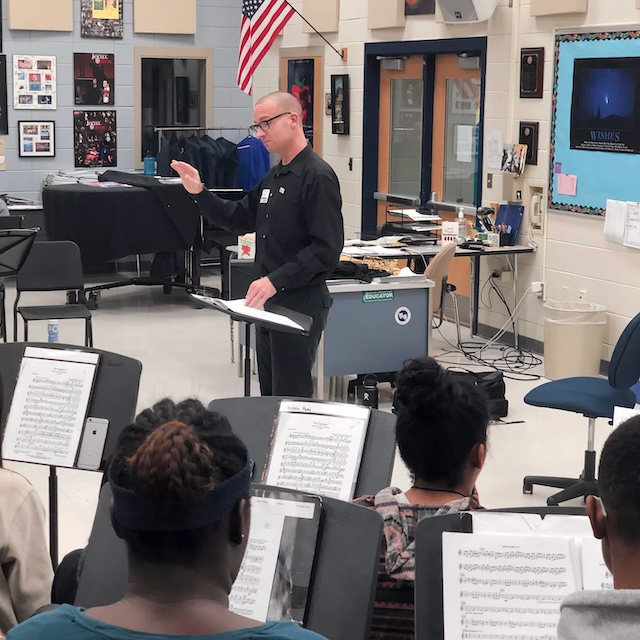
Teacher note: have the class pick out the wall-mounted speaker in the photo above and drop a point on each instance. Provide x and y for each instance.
(467, 10)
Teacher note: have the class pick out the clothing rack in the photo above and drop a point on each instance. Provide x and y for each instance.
(161, 130)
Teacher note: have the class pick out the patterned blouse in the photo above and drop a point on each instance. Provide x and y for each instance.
(393, 615)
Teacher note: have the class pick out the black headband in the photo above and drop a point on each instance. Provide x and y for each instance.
(134, 512)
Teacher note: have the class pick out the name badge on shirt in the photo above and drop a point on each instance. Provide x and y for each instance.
(264, 197)
(281, 190)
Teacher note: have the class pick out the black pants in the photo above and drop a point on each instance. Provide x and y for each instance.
(285, 360)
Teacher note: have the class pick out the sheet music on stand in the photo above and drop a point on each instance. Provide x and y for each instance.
(317, 447)
(274, 578)
(49, 406)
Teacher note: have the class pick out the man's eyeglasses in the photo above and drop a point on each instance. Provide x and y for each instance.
(264, 124)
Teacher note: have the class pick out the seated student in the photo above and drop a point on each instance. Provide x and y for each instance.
(180, 480)
(441, 433)
(26, 575)
(615, 519)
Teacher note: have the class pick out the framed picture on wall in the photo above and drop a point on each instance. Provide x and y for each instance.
(301, 83)
(531, 72)
(94, 138)
(4, 121)
(34, 82)
(36, 138)
(340, 104)
(529, 136)
(93, 78)
(101, 19)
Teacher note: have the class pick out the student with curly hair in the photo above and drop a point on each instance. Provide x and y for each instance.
(441, 432)
(180, 480)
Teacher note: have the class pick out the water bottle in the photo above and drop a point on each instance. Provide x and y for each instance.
(370, 391)
(149, 165)
(52, 331)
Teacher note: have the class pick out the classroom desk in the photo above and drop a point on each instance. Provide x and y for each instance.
(430, 250)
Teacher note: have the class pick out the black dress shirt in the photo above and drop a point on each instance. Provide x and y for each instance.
(296, 212)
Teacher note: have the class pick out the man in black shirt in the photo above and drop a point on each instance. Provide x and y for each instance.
(296, 214)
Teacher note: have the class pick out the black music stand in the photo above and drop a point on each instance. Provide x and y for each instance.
(429, 610)
(114, 397)
(303, 320)
(15, 245)
(343, 581)
(252, 420)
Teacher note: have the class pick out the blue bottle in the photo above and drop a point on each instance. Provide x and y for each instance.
(149, 165)
(52, 331)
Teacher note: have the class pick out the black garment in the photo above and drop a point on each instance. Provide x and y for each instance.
(296, 214)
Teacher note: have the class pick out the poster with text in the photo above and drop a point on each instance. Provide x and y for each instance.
(93, 76)
(604, 105)
(101, 19)
(94, 137)
(34, 82)
(300, 82)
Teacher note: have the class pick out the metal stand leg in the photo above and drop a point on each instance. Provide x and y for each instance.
(247, 359)
(53, 516)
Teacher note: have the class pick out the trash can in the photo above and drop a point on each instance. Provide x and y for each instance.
(573, 334)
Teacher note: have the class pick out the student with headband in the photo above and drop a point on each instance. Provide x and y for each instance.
(180, 480)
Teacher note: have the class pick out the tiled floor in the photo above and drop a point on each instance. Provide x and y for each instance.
(186, 352)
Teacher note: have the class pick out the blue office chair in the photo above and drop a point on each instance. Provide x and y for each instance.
(593, 398)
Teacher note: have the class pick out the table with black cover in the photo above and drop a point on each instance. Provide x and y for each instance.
(114, 222)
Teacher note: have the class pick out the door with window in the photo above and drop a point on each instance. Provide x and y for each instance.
(428, 129)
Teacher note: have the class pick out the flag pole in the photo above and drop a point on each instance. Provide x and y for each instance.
(338, 52)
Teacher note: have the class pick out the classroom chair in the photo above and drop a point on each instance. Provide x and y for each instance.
(593, 398)
(53, 266)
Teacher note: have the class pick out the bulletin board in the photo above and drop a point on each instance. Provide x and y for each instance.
(595, 122)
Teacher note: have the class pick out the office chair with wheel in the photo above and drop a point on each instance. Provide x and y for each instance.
(438, 270)
(15, 245)
(53, 266)
(593, 398)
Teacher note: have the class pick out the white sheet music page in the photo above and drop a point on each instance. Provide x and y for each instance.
(49, 406)
(505, 587)
(251, 592)
(595, 574)
(317, 448)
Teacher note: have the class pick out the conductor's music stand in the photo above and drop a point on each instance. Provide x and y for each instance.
(15, 245)
(301, 319)
(114, 397)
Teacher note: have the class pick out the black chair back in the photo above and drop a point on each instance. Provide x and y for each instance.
(51, 266)
(252, 420)
(11, 222)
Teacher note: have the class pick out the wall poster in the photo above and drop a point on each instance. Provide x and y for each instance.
(94, 137)
(300, 82)
(595, 122)
(36, 138)
(101, 19)
(93, 77)
(34, 82)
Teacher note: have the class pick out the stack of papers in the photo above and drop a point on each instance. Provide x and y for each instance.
(415, 215)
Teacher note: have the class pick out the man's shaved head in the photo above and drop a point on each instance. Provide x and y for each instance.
(284, 100)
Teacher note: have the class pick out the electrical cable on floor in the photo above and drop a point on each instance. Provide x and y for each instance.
(512, 361)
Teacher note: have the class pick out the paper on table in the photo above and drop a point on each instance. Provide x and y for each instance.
(317, 448)
(504, 585)
(415, 215)
(373, 250)
(615, 221)
(567, 184)
(238, 306)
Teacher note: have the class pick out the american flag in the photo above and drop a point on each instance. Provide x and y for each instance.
(262, 21)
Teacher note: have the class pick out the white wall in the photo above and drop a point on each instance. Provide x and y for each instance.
(573, 255)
